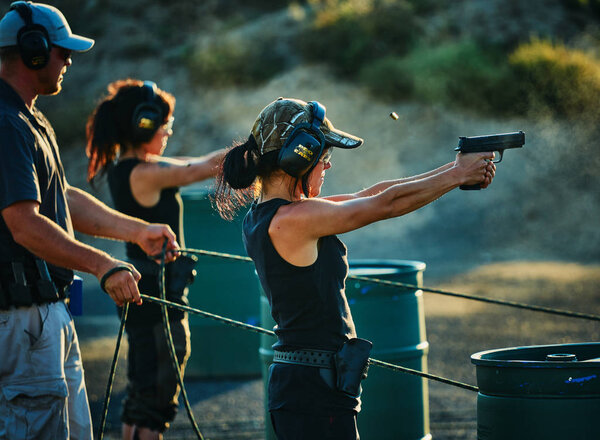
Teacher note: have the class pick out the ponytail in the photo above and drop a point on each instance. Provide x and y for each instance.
(239, 166)
(102, 138)
(237, 179)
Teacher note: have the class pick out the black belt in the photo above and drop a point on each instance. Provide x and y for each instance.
(310, 358)
(20, 290)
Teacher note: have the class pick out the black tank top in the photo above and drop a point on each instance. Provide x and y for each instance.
(308, 303)
(169, 208)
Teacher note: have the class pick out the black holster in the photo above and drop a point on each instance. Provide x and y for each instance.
(18, 290)
(45, 286)
(181, 272)
(351, 364)
(178, 274)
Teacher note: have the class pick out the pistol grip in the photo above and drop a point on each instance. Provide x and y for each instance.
(477, 186)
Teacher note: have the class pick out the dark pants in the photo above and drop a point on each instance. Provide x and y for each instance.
(151, 400)
(293, 426)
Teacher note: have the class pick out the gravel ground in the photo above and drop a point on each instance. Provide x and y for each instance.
(456, 328)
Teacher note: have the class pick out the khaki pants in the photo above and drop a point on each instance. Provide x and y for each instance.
(42, 388)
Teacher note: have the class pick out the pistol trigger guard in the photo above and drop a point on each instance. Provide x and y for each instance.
(501, 156)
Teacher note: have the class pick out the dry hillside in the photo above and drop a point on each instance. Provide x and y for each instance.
(536, 209)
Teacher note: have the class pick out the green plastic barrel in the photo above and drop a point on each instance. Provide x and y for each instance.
(395, 405)
(223, 287)
(266, 357)
(549, 392)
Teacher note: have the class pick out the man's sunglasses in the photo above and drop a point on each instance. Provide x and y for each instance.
(66, 53)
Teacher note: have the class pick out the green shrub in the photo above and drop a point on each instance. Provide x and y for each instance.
(586, 5)
(558, 80)
(232, 7)
(388, 79)
(423, 7)
(348, 34)
(458, 74)
(234, 62)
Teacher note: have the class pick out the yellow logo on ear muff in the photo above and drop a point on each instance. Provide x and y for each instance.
(146, 124)
(304, 152)
(38, 61)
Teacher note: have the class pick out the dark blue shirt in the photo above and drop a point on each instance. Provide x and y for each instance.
(30, 169)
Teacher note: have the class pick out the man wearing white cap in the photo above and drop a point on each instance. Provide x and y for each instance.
(42, 389)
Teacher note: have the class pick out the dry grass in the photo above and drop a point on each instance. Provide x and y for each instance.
(552, 284)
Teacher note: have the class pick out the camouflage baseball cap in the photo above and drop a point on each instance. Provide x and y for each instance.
(278, 119)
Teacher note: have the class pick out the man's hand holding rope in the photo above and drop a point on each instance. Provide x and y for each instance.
(120, 283)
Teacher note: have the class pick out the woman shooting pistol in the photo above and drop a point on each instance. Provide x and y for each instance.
(290, 234)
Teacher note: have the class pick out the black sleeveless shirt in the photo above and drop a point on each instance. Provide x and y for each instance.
(308, 303)
(311, 311)
(169, 208)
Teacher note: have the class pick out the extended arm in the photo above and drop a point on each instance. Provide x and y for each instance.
(382, 186)
(164, 172)
(403, 197)
(296, 228)
(149, 178)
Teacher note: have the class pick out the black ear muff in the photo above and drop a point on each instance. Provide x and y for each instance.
(147, 115)
(32, 40)
(304, 145)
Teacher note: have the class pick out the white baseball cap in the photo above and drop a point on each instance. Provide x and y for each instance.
(51, 19)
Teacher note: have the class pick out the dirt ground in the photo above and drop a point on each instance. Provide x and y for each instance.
(456, 328)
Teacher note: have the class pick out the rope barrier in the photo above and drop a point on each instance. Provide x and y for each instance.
(172, 351)
(502, 302)
(394, 367)
(164, 304)
(209, 315)
(483, 299)
(271, 333)
(113, 368)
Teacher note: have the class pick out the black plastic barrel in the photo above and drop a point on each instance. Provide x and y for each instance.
(549, 392)
(224, 287)
(395, 405)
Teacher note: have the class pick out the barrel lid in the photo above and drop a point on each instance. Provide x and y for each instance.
(197, 191)
(543, 370)
(374, 267)
(535, 356)
(403, 271)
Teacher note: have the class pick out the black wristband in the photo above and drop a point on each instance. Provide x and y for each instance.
(110, 273)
